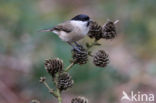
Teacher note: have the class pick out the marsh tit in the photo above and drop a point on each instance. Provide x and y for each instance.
(72, 30)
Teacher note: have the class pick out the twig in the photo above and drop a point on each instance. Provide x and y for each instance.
(59, 96)
(92, 44)
(69, 67)
(115, 22)
(58, 93)
(50, 90)
(91, 55)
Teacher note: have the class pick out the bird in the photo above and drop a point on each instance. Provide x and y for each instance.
(72, 30)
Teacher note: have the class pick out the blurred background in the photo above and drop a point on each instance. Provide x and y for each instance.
(23, 49)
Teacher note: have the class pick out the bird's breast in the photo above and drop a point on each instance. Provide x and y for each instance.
(71, 37)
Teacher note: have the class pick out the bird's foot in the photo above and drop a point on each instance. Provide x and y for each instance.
(77, 44)
(78, 49)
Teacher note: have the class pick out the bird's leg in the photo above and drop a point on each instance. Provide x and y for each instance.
(77, 44)
(74, 47)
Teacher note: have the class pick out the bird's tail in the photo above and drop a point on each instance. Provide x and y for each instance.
(46, 30)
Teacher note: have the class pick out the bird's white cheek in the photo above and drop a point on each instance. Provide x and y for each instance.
(85, 30)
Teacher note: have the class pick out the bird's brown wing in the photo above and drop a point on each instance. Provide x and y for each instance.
(66, 27)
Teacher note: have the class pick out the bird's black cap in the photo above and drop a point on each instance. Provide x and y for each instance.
(81, 17)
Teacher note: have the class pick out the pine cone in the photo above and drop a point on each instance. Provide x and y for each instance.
(64, 81)
(101, 59)
(109, 30)
(80, 57)
(54, 66)
(95, 31)
(35, 101)
(79, 100)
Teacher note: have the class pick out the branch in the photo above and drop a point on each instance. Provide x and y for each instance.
(69, 67)
(43, 80)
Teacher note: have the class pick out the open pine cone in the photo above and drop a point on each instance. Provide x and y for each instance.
(101, 58)
(54, 66)
(80, 57)
(95, 31)
(109, 30)
(79, 100)
(64, 81)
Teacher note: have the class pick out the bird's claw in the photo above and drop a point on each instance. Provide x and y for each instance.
(77, 49)
(77, 44)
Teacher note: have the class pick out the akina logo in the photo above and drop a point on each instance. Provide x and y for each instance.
(138, 97)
